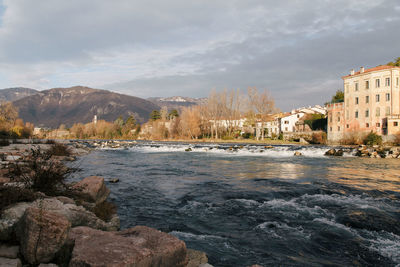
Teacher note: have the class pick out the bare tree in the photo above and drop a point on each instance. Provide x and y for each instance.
(262, 104)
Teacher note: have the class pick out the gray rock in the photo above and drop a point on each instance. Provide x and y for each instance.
(5, 262)
(10, 218)
(48, 265)
(297, 153)
(205, 265)
(10, 252)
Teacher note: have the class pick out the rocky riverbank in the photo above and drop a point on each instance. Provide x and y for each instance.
(68, 230)
(364, 151)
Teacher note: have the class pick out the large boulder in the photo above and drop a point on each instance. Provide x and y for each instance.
(139, 246)
(41, 234)
(76, 215)
(93, 188)
(10, 218)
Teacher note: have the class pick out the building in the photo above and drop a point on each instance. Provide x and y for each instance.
(371, 103)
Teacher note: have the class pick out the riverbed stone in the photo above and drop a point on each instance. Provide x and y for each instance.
(330, 152)
(138, 246)
(6, 262)
(41, 235)
(297, 153)
(94, 188)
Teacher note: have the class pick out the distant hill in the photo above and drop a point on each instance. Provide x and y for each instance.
(16, 93)
(57, 106)
(177, 102)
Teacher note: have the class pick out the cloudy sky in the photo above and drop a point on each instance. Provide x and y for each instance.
(297, 49)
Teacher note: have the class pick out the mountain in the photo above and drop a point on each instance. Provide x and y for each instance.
(177, 102)
(57, 106)
(13, 94)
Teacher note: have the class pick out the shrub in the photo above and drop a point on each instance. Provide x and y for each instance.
(247, 135)
(280, 137)
(352, 139)
(318, 138)
(12, 194)
(59, 150)
(40, 172)
(373, 139)
(105, 210)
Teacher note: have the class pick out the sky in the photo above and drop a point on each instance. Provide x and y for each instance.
(296, 49)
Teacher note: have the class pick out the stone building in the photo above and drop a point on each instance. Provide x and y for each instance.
(371, 103)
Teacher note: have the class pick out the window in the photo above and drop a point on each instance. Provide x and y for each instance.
(356, 100)
(387, 97)
(347, 102)
(377, 98)
(397, 81)
(286, 129)
(356, 114)
(367, 113)
(338, 128)
(366, 84)
(367, 99)
(378, 124)
(387, 111)
(347, 114)
(378, 112)
(395, 124)
(330, 129)
(330, 118)
(356, 87)
(347, 88)
(298, 116)
(347, 126)
(338, 116)
(286, 122)
(387, 82)
(377, 83)
(367, 125)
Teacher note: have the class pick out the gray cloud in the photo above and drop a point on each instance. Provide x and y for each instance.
(296, 49)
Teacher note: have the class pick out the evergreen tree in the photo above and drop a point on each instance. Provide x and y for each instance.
(155, 115)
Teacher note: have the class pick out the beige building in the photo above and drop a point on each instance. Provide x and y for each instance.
(371, 103)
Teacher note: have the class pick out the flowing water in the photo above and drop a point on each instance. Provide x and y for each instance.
(255, 205)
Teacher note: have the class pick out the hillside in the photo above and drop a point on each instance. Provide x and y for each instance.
(67, 106)
(13, 94)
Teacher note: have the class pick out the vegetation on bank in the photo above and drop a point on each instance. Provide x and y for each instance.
(38, 172)
(12, 127)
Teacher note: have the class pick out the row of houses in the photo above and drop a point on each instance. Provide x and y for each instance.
(288, 122)
(371, 103)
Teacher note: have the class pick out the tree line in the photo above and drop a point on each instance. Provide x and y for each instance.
(226, 115)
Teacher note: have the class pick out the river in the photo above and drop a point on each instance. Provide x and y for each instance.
(255, 205)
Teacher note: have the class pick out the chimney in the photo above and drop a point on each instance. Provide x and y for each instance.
(352, 72)
(362, 70)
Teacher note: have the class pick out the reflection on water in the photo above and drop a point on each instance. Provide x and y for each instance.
(367, 174)
(269, 207)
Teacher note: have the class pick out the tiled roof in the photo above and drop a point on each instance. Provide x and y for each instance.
(382, 67)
